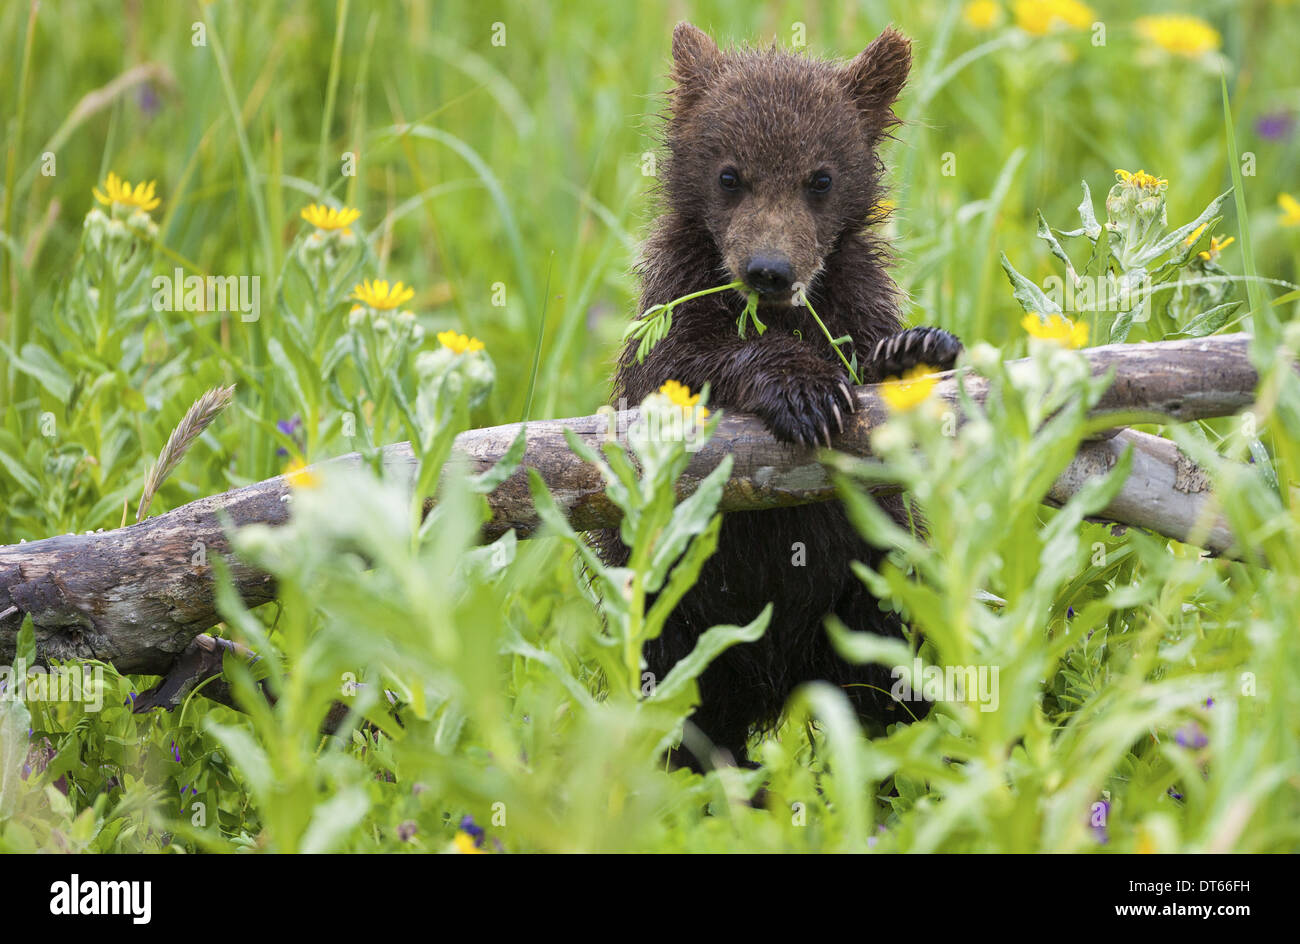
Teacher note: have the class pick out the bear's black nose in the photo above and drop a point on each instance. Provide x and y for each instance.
(769, 272)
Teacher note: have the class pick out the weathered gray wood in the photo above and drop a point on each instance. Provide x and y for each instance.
(137, 596)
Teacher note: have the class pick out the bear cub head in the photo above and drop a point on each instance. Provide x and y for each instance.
(774, 153)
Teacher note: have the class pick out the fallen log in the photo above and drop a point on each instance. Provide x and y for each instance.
(136, 597)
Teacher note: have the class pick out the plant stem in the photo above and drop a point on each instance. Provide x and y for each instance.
(826, 331)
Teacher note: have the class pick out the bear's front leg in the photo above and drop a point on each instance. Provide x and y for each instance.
(800, 396)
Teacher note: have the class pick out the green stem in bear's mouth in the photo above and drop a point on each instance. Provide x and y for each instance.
(835, 342)
(655, 322)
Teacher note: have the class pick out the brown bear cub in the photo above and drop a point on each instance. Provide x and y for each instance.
(772, 177)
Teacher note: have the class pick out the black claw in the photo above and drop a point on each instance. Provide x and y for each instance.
(901, 352)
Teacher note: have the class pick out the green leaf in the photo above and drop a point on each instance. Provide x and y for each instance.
(691, 517)
(1031, 298)
(504, 467)
(711, 644)
(28, 482)
(1099, 262)
(1207, 322)
(867, 648)
(1045, 234)
(1170, 240)
(289, 372)
(550, 514)
(25, 644)
(15, 719)
(1091, 228)
(39, 363)
(245, 754)
(683, 577)
(333, 820)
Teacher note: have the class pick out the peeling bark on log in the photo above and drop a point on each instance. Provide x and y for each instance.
(136, 597)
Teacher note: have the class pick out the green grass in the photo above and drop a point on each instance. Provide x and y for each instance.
(505, 184)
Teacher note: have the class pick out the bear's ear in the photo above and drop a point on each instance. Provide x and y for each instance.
(876, 76)
(695, 55)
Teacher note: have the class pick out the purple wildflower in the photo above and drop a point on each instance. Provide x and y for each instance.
(1190, 735)
(147, 99)
(467, 825)
(289, 428)
(1275, 126)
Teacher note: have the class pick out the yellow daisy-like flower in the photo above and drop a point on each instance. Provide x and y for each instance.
(1182, 35)
(1290, 209)
(906, 393)
(460, 343)
(1039, 17)
(1141, 180)
(982, 14)
(300, 475)
(1196, 234)
(1217, 245)
(380, 296)
(1057, 329)
(464, 844)
(331, 218)
(119, 192)
(680, 395)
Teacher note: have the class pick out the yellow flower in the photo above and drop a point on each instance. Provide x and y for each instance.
(379, 296)
(300, 475)
(330, 218)
(460, 343)
(1057, 329)
(902, 394)
(1141, 180)
(1039, 17)
(982, 14)
(1290, 209)
(680, 395)
(1179, 34)
(1217, 245)
(464, 843)
(1196, 234)
(120, 192)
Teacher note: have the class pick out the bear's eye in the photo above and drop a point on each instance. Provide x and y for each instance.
(729, 180)
(820, 183)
